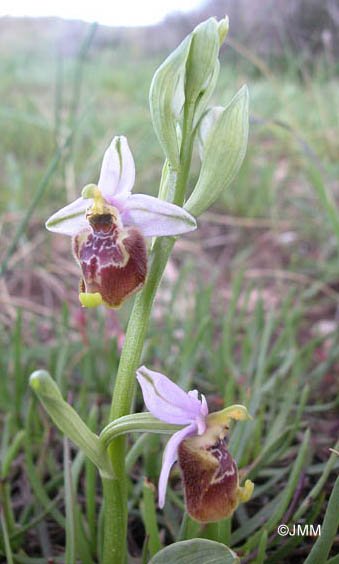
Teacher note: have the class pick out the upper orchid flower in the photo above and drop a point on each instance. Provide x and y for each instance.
(210, 474)
(108, 225)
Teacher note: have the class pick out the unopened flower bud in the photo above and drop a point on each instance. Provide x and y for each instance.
(223, 153)
(202, 58)
(207, 122)
(223, 26)
(188, 75)
(166, 98)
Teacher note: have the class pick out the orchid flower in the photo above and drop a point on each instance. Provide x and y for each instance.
(108, 225)
(210, 474)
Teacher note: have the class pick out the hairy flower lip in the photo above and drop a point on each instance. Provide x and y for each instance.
(211, 481)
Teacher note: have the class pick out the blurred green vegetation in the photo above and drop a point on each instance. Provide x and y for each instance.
(105, 91)
(95, 92)
(259, 361)
(247, 311)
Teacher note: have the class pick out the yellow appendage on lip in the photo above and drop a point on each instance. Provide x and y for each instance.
(88, 299)
(99, 206)
(245, 492)
(92, 191)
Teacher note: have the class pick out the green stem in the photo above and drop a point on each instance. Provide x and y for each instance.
(115, 492)
(6, 504)
(137, 330)
(116, 495)
(114, 522)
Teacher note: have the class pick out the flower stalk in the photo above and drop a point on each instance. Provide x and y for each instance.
(116, 503)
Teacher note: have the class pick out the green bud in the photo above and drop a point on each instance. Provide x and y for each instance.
(203, 100)
(166, 97)
(41, 382)
(206, 124)
(223, 153)
(188, 75)
(202, 59)
(223, 26)
(68, 421)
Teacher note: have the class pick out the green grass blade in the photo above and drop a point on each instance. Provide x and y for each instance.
(329, 528)
(70, 556)
(150, 519)
(8, 550)
(12, 452)
(317, 488)
(35, 481)
(261, 555)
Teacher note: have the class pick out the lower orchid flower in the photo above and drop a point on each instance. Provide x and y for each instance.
(109, 225)
(210, 475)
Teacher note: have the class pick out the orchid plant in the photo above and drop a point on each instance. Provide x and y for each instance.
(108, 225)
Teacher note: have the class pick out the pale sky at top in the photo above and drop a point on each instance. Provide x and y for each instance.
(107, 12)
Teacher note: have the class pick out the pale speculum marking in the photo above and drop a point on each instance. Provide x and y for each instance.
(113, 259)
(227, 466)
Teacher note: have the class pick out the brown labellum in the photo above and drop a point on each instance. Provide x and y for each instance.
(210, 477)
(113, 259)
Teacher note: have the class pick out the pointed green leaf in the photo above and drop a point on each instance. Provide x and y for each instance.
(165, 94)
(224, 151)
(205, 125)
(202, 59)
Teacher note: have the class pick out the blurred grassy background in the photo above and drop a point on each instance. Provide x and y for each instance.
(62, 79)
(248, 309)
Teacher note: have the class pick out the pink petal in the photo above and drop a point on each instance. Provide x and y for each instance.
(170, 457)
(200, 420)
(71, 219)
(201, 425)
(165, 400)
(155, 217)
(204, 406)
(117, 174)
